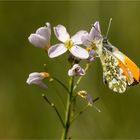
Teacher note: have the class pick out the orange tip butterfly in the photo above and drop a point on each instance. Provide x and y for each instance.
(119, 71)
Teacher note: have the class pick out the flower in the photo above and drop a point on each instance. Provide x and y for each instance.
(71, 44)
(76, 70)
(36, 79)
(90, 40)
(41, 38)
(86, 96)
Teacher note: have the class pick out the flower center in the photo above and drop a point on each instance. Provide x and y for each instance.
(45, 74)
(92, 47)
(68, 44)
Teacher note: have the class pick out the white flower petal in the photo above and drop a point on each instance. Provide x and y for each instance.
(45, 32)
(56, 50)
(86, 41)
(95, 31)
(92, 56)
(38, 41)
(70, 72)
(43, 85)
(61, 33)
(34, 74)
(77, 38)
(36, 79)
(76, 70)
(79, 52)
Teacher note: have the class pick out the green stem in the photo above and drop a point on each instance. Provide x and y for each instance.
(83, 110)
(54, 107)
(62, 84)
(68, 110)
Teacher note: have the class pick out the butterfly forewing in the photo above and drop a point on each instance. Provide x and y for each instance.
(133, 68)
(113, 74)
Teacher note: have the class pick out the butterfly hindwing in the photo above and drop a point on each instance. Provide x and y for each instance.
(113, 74)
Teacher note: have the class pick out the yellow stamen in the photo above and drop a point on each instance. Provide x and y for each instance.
(45, 74)
(68, 44)
(83, 94)
(92, 47)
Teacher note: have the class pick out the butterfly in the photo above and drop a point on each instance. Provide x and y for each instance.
(119, 71)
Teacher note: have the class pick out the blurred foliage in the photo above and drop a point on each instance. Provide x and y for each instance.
(23, 112)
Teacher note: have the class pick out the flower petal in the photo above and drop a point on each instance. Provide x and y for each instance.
(76, 39)
(56, 50)
(45, 32)
(79, 52)
(61, 33)
(95, 31)
(86, 40)
(76, 70)
(36, 79)
(92, 56)
(38, 41)
(90, 100)
(34, 74)
(43, 85)
(33, 80)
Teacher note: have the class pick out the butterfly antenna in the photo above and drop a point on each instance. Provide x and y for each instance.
(108, 27)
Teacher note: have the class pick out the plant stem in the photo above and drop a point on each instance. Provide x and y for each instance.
(62, 84)
(81, 112)
(54, 107)
(68, 109)
(84, 109)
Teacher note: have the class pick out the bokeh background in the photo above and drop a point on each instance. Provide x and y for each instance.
(23, 112)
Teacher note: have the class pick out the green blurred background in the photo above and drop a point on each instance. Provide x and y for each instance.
(23, 112)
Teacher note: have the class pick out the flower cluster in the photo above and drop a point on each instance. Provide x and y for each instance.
(81, 46)
(74, 44)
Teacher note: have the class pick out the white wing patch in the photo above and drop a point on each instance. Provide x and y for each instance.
(112, 73)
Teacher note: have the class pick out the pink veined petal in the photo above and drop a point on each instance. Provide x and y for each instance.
(86, 41)
(61, 33)
(43, 85)
(56, 50)
(34, 74)
(95, 31)
(77, 38)
(71, 73)
(76, 70)
(38, 41)
(35, 80)
(82, 72)
(44, 32)
(79, 52)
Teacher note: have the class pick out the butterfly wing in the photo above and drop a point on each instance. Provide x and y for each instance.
(126, 64)
(132, 67)
(115, 73)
